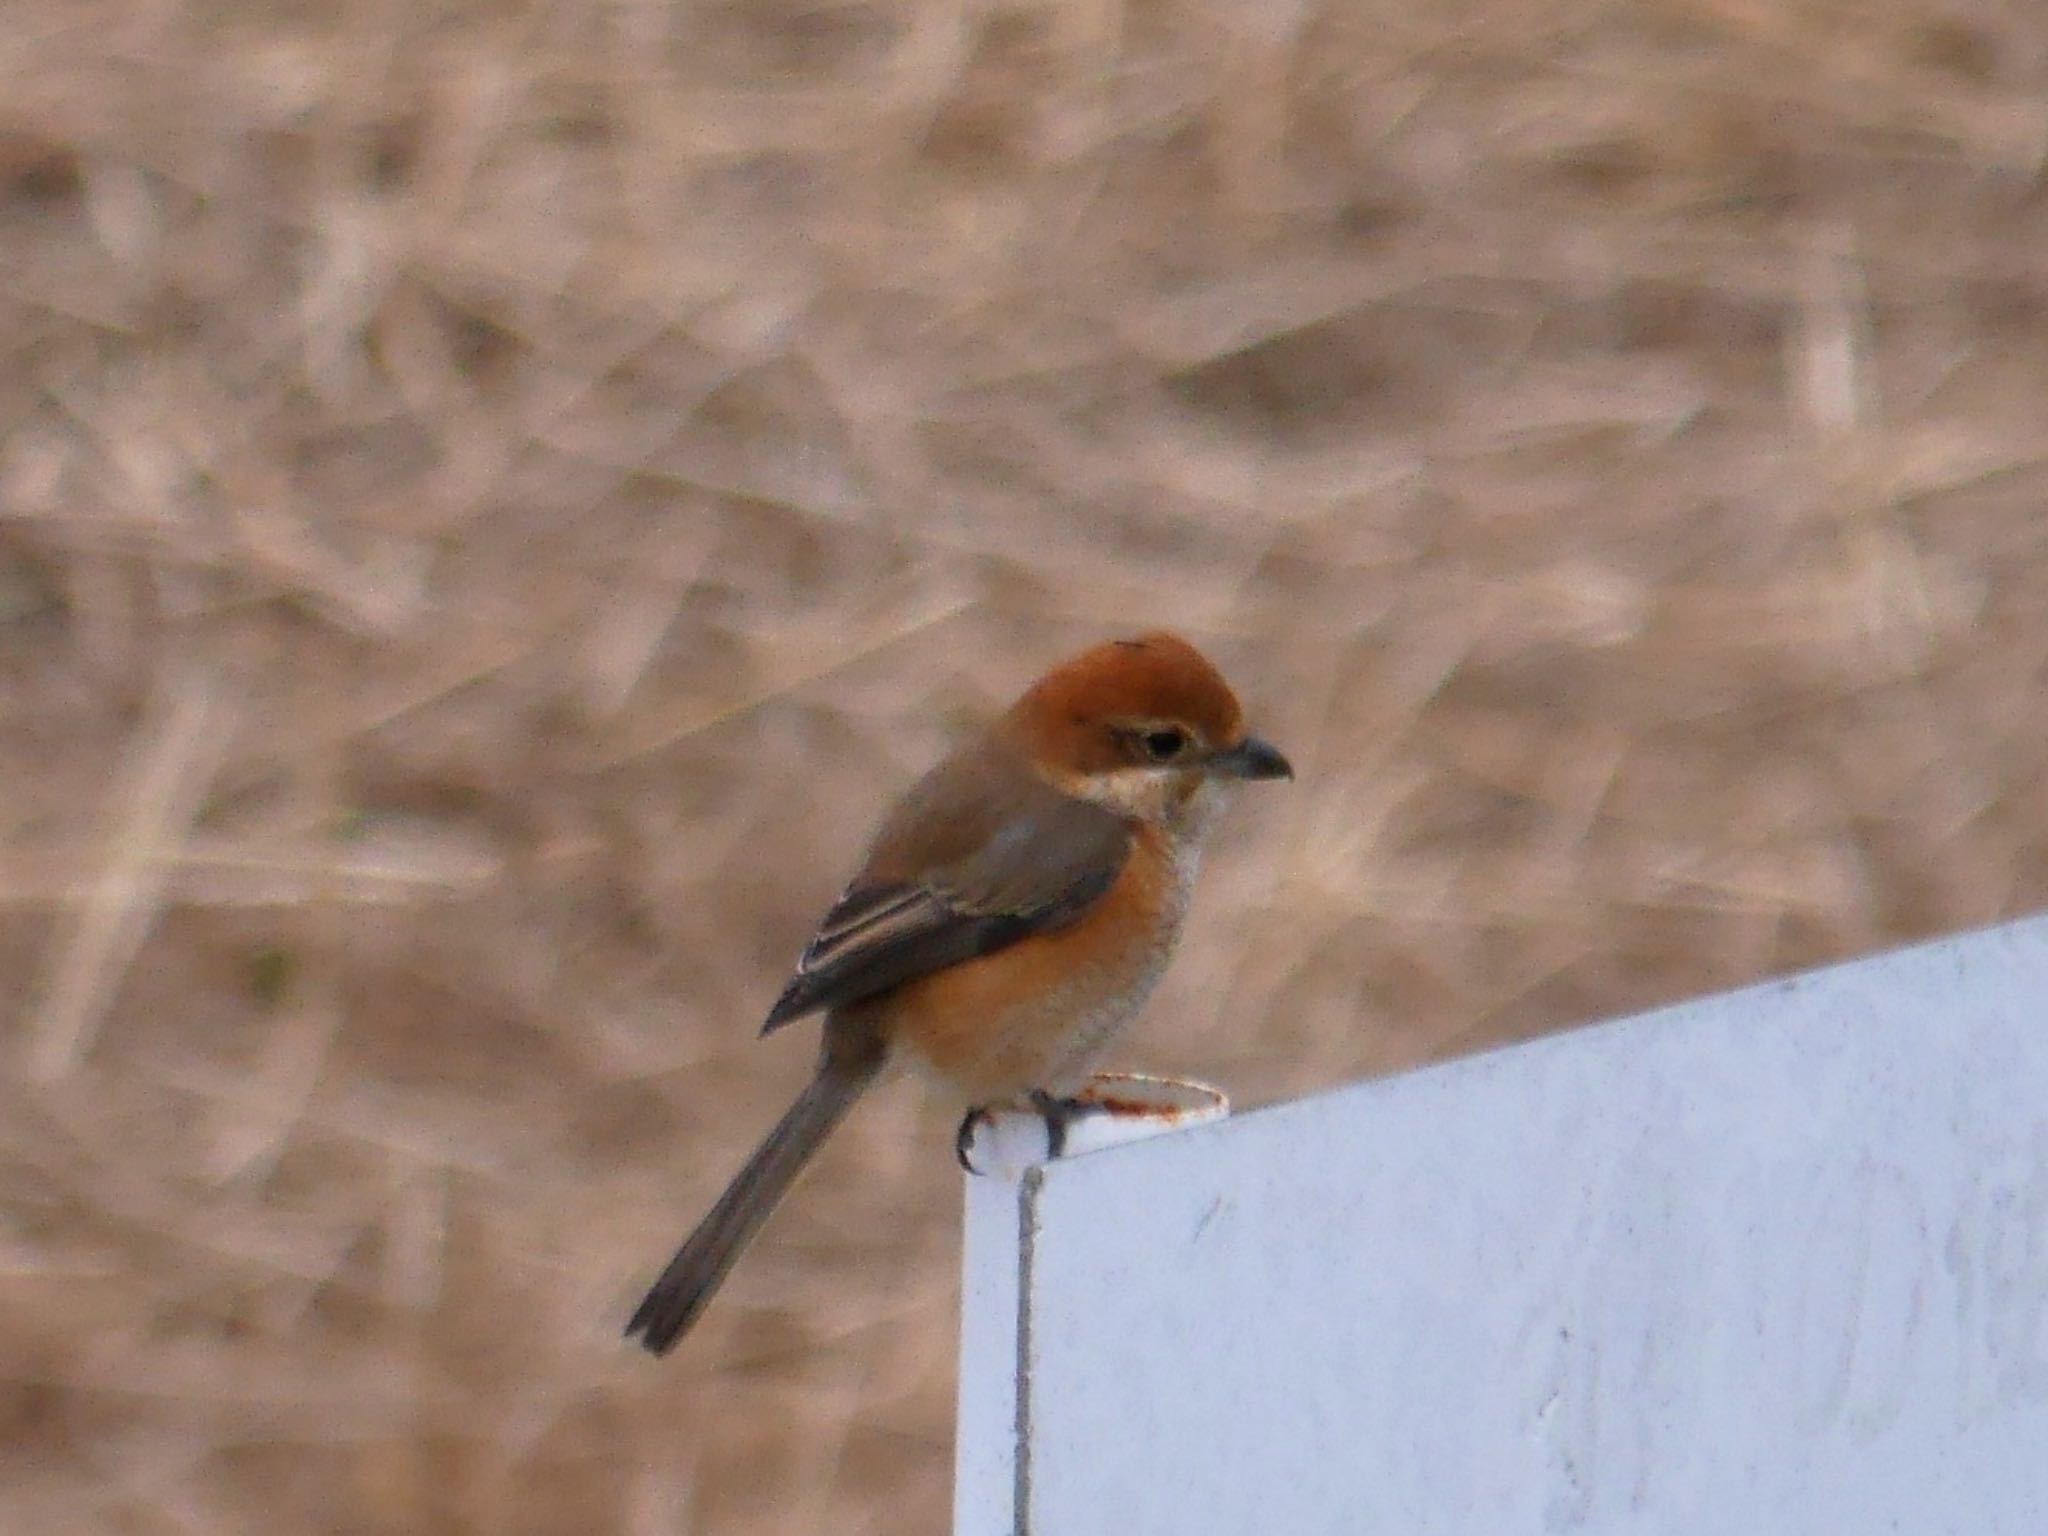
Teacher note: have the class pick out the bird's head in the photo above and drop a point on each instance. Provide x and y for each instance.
(1142, 726)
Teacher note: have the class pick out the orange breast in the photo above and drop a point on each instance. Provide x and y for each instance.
(1039, 1014)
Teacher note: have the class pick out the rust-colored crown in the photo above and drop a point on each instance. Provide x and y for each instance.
(1153, 677)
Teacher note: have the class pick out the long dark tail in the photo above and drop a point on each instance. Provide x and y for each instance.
(694, 1274)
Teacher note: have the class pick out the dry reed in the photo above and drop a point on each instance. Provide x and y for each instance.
(495, 492)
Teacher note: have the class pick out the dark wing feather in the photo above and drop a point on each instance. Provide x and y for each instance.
(998, 855)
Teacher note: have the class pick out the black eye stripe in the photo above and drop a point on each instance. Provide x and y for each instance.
(1161, 745)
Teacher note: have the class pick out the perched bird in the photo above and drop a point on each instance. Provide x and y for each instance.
(1010, 917)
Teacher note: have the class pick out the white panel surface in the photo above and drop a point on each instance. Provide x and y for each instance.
(1775, 1262)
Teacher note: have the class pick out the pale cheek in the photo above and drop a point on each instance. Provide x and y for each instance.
(1188, 803)
(1137, 792)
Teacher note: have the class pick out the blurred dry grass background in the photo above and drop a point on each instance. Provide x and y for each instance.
(495, 494)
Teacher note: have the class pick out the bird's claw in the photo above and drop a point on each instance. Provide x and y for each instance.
(963, 1138)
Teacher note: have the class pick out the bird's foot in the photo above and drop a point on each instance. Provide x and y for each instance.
(1053, 1111)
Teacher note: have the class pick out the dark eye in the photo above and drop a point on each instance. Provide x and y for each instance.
(1163, 746)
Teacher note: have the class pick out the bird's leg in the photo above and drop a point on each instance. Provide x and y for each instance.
(1058, 1114)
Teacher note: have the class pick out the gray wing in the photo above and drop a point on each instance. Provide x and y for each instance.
(997, 856)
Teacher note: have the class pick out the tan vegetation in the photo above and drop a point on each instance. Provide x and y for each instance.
(495, 493)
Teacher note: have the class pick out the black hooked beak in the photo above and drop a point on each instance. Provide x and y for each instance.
(1252, 759)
